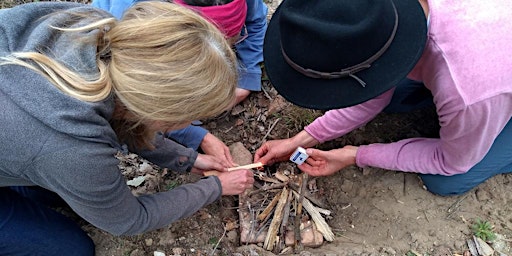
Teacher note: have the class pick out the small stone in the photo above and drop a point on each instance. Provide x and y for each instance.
(388, 250)
(232, 236)
(158, 253)
(167, 238)
(241, 155)
(149, 242)
(137, 252)
(482, 195)
(347, 186)
(177, 251)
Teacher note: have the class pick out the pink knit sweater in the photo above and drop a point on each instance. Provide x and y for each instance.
(467, 65)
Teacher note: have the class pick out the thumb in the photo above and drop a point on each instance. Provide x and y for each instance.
(313, 152)
(265, 159)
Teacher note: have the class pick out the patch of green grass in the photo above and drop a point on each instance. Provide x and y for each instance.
(172, 185)
(296, 117)
(213, 241)
(484, 230)
(409, 253)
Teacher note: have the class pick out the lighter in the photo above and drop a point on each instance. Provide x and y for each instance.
(299, 156)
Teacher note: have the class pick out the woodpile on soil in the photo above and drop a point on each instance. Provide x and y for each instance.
(280, 213)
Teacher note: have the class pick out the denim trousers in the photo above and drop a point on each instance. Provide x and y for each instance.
(411, 95)
(29, 226)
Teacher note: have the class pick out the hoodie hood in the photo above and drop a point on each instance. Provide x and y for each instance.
(28, 28)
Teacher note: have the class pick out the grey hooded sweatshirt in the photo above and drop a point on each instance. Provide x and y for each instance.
(65, 145)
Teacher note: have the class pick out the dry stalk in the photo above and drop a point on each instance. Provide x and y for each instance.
(320, 222)
(270, 240)
(269, 130)
(264, 215)
(307, 194)
(303, 181)
(267, 190)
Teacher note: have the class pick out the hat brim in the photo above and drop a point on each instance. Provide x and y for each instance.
(385, 73)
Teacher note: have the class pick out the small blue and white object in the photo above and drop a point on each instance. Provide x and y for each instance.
(299, 156)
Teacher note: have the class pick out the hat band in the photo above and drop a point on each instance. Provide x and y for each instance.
(346, 72)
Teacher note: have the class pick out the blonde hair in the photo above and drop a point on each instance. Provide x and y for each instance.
(164, 63)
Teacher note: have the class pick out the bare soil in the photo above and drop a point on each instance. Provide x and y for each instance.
(374, 211)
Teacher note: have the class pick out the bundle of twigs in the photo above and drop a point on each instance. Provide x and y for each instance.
(281, 214)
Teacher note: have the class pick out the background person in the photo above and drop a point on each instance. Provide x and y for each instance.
(358, 54)
(80, 84)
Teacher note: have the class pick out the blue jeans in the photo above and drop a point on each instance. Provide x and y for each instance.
(411, 95)
(497, 161)
(29, 227)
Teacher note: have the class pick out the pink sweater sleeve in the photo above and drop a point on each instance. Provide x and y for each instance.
(465, 138)
(338, 122)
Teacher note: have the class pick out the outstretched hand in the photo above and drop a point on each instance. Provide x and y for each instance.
(213, 146)
(325, 163)
(206, 163)
(274, 151)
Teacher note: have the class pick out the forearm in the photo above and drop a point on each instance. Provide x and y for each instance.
(465, 138)
(170, 154)
(190, 136)
(304, 139)
(338, 122)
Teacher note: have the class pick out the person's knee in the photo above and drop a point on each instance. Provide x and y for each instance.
(447, 190)
(87, 247)
(447, 185)
(75, 240)
(81, 245)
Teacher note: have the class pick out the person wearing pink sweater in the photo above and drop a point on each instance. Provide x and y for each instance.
(352, 58)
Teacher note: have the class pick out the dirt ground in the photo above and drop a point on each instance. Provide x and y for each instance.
(374, 211)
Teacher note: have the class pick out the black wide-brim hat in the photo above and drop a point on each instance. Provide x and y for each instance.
(328, 54)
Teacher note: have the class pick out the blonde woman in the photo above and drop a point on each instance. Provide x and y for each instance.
(243, 23)
(76, 85)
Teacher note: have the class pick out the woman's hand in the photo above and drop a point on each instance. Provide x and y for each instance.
(274, 151)
(235, 182)
(207, 163)
(213, 146)
(324, 163)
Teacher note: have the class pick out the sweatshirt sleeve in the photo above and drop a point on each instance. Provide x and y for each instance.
(190, 136)
(87, 177)
(169, 154)
(250, 50)
(465, 138)
(338, 122)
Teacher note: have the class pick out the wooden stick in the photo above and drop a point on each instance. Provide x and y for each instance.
(248, 166)
(303, 180)
(276, 221)
(320, 222)
(263, 215)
